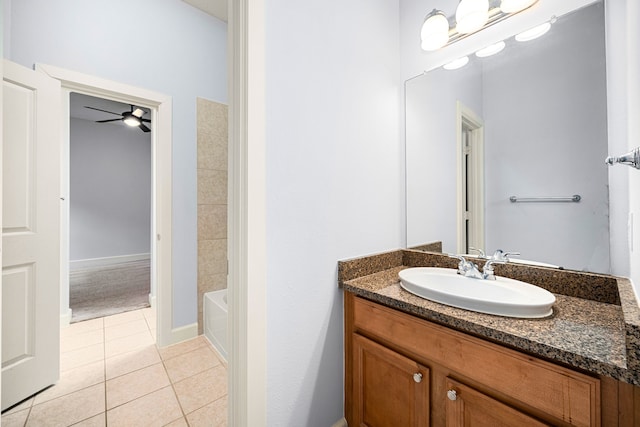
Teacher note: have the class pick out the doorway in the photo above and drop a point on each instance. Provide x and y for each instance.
(470, 181)
(160, 108)
(109, 207)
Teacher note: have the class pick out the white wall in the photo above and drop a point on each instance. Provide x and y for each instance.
(110, 198)
(333, 188)
(169, 47)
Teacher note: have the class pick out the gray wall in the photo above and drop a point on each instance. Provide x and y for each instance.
(110, 198)
(178, 50)
(545, 117)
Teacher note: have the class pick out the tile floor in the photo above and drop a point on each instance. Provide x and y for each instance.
(112, 374)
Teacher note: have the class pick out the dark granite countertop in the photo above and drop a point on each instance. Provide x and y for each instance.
(595, 325)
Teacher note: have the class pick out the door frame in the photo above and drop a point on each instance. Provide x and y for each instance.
(161, 186)
(465, 117)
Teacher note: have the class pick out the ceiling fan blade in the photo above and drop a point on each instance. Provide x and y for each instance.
(138, 112)
(107, 121)
(145, 120)
(104, 111)
(144, 128)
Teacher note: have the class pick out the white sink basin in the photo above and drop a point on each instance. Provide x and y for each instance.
(502, 297)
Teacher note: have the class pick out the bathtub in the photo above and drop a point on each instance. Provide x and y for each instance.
(215, 320)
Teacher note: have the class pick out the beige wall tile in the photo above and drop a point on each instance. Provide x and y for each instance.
(155, 409)
(212, 187)
(201, 389)
(212, 257)
(69, 409)
(212, 415)
(212, 222)
(136, 384)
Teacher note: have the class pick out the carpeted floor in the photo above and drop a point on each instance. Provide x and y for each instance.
(103, 291)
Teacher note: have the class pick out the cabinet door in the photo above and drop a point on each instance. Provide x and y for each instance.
(389, 389)
(470, 408)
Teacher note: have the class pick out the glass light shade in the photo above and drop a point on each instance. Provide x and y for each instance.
(534, 32)
(471, 15)
(513, 6)
(457, 63)
(435, 31)
(132, 121)
(490, 50)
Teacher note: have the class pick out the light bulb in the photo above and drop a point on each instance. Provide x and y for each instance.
(455, 64)
(132, 121)
(534, 32)
(471, 15)
(513, 6)
(490, 50)
(435, 31)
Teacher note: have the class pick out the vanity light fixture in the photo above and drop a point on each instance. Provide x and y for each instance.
(457, 63)
(435, 31)
(513, 6)
(471, 16)
(490, 50)
(534, 32)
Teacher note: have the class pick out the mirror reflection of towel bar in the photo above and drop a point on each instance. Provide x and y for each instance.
(575, 198)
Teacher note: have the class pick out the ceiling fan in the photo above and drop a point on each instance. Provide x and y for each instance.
(130, 118)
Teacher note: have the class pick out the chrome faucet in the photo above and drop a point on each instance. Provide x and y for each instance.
(501, 255)
(467, 268)
(487, 270)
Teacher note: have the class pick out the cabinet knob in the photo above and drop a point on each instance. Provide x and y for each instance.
(417, 377)
(452, 395)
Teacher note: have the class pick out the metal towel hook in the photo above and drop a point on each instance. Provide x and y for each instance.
(632, 158)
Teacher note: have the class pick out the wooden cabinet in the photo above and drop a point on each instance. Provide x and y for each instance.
(466, 407)
(464, 380)
(390, 389)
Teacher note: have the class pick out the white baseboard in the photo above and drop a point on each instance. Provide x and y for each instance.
(183, 333)
(152, 300)
(340, 423)
(65, 318)
(99, 262)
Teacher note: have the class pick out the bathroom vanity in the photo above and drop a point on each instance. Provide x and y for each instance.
(413, 362)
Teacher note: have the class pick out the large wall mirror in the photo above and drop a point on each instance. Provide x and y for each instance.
(529, 122)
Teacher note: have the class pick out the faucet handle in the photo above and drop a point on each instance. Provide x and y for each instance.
(500, 255)
(481, 253)
(487, 270)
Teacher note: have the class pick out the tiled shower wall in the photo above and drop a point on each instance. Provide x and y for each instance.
(212, 199)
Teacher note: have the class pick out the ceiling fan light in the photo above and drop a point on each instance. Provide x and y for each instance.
(471, 15)
(131, 121)
(513, 6)
(435, 31)
(138, 112)
(534, 32)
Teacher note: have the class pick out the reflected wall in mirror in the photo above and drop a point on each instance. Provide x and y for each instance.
(534, 121)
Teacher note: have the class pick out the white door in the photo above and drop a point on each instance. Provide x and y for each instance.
(30, 233)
